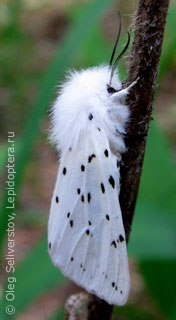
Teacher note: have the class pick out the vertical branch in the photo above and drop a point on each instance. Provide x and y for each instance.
(144, 63)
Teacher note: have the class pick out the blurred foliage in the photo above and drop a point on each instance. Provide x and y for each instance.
(153, 236)
(16, 75)
(133, 313)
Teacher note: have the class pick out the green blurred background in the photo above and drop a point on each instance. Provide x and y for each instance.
(40, 40)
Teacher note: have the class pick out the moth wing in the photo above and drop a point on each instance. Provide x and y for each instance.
(86, 234)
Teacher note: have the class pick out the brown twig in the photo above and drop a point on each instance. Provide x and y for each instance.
(144, 63)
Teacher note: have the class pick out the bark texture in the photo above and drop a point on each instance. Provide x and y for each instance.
(143, 63)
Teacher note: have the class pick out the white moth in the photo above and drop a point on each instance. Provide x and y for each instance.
(86, 236)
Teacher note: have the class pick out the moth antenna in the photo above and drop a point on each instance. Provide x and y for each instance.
(117, 40)
(119, 57)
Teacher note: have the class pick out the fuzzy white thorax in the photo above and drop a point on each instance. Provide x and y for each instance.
(83, 93)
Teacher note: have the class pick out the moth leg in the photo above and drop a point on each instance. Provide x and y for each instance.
(124, 91)
(127, 135)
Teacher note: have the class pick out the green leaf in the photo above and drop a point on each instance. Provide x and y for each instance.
(157, 221)
(153, 233)
(169, 44)
(133, 313)
(158, 180)
(158, 187)
(161, 281)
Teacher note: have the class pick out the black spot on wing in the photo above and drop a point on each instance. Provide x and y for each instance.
(113, 284)
(112, 182)
(82, 198)
(78, 191)
(90, 116)
(57, 199)
(107, 217)
(106, 153)
(99, 129)
(88, 197)
(82, 168)
(118, 163)
(71, 259)
(91, 157)
(113, 243)
(49, 245)
(116, 288)
(87, 232)
(121, 238)
(71, 223)
(102, 188)
(68, 214)
(89, 222)
(64, 171)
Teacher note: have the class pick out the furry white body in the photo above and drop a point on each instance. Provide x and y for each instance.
(85, 232)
